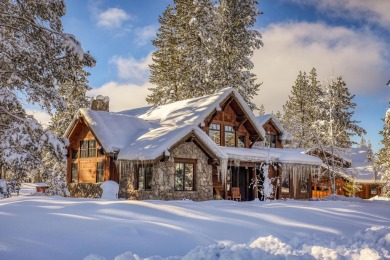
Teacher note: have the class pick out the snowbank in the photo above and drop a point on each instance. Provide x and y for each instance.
(110, 190)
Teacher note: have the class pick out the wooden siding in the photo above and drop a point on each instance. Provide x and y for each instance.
(229, 117)
(271, 129)
(87, 167)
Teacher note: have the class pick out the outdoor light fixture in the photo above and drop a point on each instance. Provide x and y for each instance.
(388, 83)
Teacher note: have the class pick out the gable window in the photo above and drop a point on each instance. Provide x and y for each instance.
(241, 141)
(99, 171)
(74, 172)
(270, 140)
(230, 136)
(184, 176)
(143, 177)
(286, 182)
(215, 133)
(87, 148)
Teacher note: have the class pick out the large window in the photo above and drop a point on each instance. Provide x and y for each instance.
(143, 177)
(286, 182)
(230, 136)
(184, 176)
(215, 133)
(74, 172)
(304, 183)
(99, 171)
(87, 148)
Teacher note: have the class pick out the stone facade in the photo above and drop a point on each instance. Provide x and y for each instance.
(85, 190)
(163, 177)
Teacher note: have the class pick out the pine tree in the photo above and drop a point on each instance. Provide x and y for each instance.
(383, 161)
(336, 126)
(278, 115)
(231, 64)
(36, 57)
(261, 110)
(181, 62)
(352, 187)
(202, 49)
(166, 69)
(300, 110)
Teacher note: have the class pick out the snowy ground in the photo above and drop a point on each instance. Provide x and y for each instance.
(40, 227)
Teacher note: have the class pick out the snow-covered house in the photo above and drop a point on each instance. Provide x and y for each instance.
(351, 165)
(200, 149)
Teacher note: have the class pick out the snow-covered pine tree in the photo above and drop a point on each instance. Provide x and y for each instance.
(182, 60)
(261, 110)
(235, 43)
(336, 127)
(383, 161)
(36, 57)
(301, 109)
(166, 70)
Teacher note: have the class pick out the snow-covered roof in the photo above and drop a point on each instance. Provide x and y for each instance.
(156, 142)
(260, 154)
(361, 168)
(114, 131)
(192, 111)
(286, 136)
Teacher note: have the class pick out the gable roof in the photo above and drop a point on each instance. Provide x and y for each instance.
(264, 119)
(113, 131)
(193, 111)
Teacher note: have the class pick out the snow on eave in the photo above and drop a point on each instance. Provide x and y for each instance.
(72, 124)
(166, 143)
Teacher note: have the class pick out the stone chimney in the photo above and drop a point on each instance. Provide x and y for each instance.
(100, 103)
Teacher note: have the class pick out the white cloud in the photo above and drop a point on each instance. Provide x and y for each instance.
(334, 51)
(112, 18)
(132, 69)
(123, 96)
(145, 34)
(374, 11)
(41, 116)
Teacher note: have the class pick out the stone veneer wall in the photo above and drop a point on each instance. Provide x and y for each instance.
(85, 190)
(163, 178)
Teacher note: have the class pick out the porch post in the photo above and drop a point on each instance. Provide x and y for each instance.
(256, 184)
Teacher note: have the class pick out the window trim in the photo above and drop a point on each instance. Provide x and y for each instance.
(234, 132)
(136, 177)
(91, 152)
(216, 130)
(100, 170)
(74, 172)
(185, 161)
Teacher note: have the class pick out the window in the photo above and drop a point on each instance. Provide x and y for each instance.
(184, 176)
(215, 133)
(241, 141)
(270, 140)
(99, 171)
(286, 182)
(75, 153)
(230, 136)
(87, 148)
(304, 183)
(143, 178)
(74, 172)
(373, 190)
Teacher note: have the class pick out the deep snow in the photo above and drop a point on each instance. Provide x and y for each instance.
(40, 227)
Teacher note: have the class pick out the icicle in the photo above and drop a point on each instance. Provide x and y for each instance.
(224, 166)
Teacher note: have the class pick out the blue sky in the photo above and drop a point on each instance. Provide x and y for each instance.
(350, 38)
